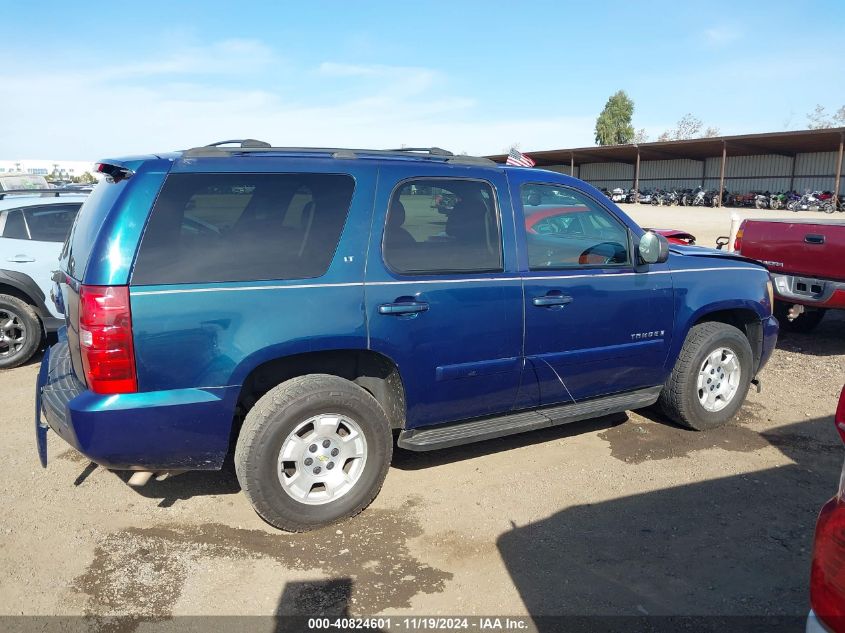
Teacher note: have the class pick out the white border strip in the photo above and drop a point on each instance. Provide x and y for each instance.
(537, 279)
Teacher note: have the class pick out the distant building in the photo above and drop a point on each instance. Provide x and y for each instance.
(62, 169)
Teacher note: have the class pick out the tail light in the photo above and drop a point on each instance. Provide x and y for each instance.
(738, 239)
(105, 339)
(827, 574)
(839, 420)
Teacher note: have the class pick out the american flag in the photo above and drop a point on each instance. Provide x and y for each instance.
(518, 159)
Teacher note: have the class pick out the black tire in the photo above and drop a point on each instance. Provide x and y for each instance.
(679, 398)
(806, 322)
(32, 336)
(275, 416)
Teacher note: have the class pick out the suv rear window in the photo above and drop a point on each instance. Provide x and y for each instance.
(242, 227)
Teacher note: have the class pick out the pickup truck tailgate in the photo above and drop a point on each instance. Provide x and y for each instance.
(812, 248)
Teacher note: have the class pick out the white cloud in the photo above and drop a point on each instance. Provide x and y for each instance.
(240, 89)
(721, 35)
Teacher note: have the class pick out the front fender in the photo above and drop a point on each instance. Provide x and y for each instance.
(704, 291)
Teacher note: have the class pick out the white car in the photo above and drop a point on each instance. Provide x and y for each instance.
(33, 226)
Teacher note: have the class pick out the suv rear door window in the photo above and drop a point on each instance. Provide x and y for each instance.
(443, 226)
(241, 227)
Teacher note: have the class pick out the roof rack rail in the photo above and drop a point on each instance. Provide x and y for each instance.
(44, 193)
(244, 143)
(432, 151)
(251, 146)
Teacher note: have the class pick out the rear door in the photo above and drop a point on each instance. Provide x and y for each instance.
(442, 297)
(593, 325)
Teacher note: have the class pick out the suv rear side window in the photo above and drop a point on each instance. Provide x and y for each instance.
(442, 226)
(51, 223)
(567, 229)
(242, 227)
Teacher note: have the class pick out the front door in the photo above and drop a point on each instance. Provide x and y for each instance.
(443, 299)
(593, 325)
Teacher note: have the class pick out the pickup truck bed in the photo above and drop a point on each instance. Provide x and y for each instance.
(806, 259)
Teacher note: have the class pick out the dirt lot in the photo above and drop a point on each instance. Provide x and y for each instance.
(624, 516)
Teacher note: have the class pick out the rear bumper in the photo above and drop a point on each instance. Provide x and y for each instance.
(180, 429)
(809, 291)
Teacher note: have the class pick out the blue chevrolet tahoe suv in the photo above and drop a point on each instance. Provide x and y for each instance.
(312, 306)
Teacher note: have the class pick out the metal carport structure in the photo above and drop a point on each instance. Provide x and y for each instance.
(776, 161)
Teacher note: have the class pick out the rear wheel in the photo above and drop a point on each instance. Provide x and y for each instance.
(313, 450)
(20, 332)
(710, 379)
(805, 322)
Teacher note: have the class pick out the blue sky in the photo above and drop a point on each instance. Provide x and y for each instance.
(471, 76)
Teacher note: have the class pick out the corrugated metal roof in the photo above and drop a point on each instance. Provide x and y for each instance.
(785, 143)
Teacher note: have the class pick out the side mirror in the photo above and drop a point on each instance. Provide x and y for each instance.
(653, 248)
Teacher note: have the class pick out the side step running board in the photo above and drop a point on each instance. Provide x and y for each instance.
(457, 433)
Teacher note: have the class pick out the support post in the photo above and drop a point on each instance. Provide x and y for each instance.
(637, 178)
(792, 175)
(722, 173)
(572, 165)
(838, 169)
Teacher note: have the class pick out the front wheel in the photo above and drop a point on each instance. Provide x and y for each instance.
(313, 450)
(710, 379)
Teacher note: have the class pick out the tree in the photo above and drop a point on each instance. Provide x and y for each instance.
(613, 125)
(818, 119)
(641, 136)
(688, 127)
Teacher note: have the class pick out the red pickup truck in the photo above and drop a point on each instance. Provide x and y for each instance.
(807, 262)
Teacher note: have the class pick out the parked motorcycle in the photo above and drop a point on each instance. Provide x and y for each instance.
(618, 195)
(703, 198)
(777, 201)
(811, 202)
(670, 198)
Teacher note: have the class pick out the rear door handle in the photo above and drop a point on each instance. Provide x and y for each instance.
(21, 259)
(814, 239)
(547, 301)
(410, 307)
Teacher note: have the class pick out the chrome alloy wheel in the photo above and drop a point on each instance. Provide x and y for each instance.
(719, 379)
(12, 333)
(322, 459)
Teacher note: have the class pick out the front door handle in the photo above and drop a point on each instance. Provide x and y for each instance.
(547, 301)
(21, 259)
(404, 307)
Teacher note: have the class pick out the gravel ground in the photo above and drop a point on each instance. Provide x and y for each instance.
(625, 515)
